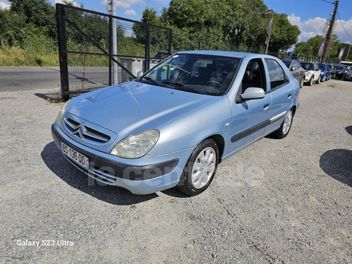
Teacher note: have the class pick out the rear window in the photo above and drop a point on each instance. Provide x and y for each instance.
(308, 66)
(276, 73)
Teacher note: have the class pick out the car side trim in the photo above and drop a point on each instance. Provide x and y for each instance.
(277, 117)
(257, 127)
(250, 131)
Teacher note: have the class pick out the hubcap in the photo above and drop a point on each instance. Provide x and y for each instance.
(287, 122)
(203, 167)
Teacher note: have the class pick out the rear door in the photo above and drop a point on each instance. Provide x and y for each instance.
(281, 93)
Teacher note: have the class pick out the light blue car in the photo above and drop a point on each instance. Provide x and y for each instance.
(175, 124)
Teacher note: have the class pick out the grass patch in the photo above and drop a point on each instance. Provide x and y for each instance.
(15, 56)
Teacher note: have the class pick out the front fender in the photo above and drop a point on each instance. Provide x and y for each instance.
(192, 127)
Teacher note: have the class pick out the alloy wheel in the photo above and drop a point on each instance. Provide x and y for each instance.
(287, 123)
(203, 167)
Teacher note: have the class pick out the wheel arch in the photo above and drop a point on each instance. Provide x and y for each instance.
(220, 142)
(294, 108)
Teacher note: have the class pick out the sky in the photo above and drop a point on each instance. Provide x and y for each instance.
(309, 15)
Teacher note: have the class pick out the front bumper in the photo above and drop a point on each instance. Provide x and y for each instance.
(162, 174)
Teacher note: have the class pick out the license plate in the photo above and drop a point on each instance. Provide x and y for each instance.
(75, 156)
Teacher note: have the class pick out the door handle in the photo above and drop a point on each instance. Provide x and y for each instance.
(289, 96)
(266, 106)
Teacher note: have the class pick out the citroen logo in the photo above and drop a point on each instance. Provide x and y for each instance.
(78, 131)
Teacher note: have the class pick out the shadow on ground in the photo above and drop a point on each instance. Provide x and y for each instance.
(338, 164)
(55, 161)
(54, 97)
(349, 130)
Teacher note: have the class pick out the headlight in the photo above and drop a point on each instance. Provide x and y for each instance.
(61, 114)
(137, 145)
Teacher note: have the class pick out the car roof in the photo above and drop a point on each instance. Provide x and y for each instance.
(233, 54)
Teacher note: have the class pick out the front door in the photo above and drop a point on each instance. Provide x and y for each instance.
(249, 118)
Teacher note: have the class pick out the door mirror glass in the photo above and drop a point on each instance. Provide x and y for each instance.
(253, 93)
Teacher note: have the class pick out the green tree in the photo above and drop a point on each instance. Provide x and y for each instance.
(226, 24)
(310, 48)
(283, 35)
(38, 12)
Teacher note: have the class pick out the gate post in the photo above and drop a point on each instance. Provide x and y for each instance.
(110, 49)
(147, 48)
(61, 34)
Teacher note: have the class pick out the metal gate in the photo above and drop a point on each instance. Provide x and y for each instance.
(85, 40)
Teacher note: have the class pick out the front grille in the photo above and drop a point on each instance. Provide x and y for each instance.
(85, 132)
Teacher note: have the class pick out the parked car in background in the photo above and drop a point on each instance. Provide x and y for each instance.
(173, 125)
(163, 54)
(296, 69)
(312, 74)
(332, 70)
(339, 71)
(348, 74)
(325, 74)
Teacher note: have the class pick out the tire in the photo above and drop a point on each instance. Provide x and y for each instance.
(189, 183)
(311, 81)
(285, 127)
(318, 81)
(302, 83)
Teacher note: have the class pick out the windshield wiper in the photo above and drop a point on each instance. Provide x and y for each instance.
(150, 80)
(183, 87)
(176, 84)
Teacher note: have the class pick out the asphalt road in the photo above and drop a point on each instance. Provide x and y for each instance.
(277, 201)
(28, 78)
(32, 78)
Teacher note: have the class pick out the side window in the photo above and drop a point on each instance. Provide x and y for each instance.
(276, 74)
(254, 75)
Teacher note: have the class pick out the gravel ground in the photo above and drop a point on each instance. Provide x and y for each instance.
(277, 201)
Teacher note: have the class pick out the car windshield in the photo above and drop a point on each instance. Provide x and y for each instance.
(287, 63)
(204, 74)
(308, 66)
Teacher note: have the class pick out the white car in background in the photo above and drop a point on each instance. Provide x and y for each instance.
(312, 74)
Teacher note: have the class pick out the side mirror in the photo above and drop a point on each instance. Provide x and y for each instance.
(139, 74)
(253, 93)
(293, 69)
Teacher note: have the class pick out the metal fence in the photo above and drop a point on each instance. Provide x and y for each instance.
(87, 58)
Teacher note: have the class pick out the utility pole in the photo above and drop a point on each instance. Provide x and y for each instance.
(269, 29)
(328, 34)
(348, 52)
(112, 11)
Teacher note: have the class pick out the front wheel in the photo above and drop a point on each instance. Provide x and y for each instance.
(285, 126)
(200, 168)
(318, 81)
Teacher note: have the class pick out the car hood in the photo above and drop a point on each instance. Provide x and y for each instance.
(134, 105)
